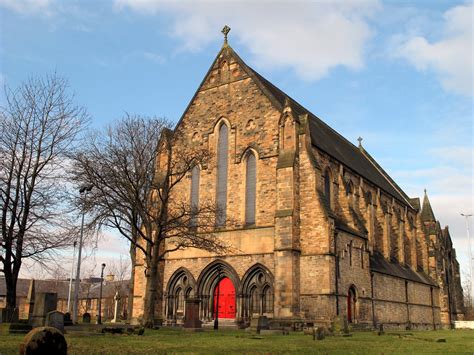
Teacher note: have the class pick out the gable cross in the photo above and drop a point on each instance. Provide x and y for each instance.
(360, 141)
(225, 31)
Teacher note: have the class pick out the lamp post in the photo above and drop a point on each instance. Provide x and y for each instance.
(466, 216)
(99, 311)
(216, 318)
(70, 279)
(83, 190)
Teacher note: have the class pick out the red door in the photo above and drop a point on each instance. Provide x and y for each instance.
(226, 298)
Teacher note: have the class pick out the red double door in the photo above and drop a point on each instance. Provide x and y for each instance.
(224, 295)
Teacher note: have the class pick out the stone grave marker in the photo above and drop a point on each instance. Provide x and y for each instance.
(55, 319)
(191, 320)
(67, 318)
(44, 340)
(86, 318)
(345, 329)
(45, 302)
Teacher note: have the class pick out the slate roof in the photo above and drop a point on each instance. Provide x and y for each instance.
(322, 136)
(61, 287)
(379, 264)
(331, 142)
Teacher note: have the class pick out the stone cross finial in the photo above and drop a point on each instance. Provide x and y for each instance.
(360, 141)
(225, 31)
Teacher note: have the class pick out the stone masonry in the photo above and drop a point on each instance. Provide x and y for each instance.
(334, 235)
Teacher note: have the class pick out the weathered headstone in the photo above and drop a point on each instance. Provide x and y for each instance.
(320, 333)
(44, 340)
(86, 318)
(259, 323)
(45, 302)
(55, 319)
(263, 323)
(337, 325)
(345, 328)
(67, 318)
(381, 332)
(191, 319)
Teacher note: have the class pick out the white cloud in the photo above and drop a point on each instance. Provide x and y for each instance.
(309, 37)
(451, 57)
(27, 6)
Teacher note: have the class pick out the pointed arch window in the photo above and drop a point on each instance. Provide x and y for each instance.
(222, 165)
(250, 188)
(327, 187)
(195, 178)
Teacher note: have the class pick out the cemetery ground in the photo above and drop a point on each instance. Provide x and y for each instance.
(168, 340)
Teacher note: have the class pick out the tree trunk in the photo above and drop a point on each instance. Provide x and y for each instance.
(11, 279)
(131, 284)
(153, 287)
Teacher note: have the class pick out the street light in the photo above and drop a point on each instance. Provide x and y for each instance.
(83, 190)
(216, 319)
(70, 279)
(99, 312)
(466, 216)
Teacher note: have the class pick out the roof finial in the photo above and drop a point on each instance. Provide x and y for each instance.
(225, 31)
(360, 139)
(425, 191)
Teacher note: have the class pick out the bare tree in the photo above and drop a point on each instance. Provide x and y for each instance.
(468, 297)
(39, 126)
(135, 174)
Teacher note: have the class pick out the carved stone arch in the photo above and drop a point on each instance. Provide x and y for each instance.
(207, 283)
(352, 304)
(256, 291)
(208, 278)
(219, 122)
(252, 148)
(180, 286)
(255, 270)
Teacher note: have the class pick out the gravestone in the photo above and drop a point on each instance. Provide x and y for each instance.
(191, 320)
(320, 333)
(45, 302)
(44, 340)
(86, 318)
(337, 325)
(55, 319)
(345, 330)
(259, 323)
(67, 318)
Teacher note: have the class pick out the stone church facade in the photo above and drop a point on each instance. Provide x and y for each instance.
(319, 230)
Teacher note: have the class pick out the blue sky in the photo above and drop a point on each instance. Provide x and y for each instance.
(397, 73)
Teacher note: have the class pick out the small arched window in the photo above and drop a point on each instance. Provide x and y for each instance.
(327, 187)
(195, 178)
(222, 162)
(179, 300)
(250, 189)
(267, 300)
(254, 304)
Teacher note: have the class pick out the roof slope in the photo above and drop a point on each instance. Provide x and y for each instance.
(322, 136)
(334, 144)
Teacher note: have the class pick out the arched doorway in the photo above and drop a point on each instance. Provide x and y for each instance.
(224, 298)
(351, 305)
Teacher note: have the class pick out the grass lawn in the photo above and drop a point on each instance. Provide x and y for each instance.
(228, 341)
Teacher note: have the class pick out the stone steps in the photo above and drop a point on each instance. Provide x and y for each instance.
(223, 324)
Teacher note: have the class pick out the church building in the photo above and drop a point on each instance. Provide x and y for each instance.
(318, 229)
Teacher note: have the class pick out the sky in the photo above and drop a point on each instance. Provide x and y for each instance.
(399, 74)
